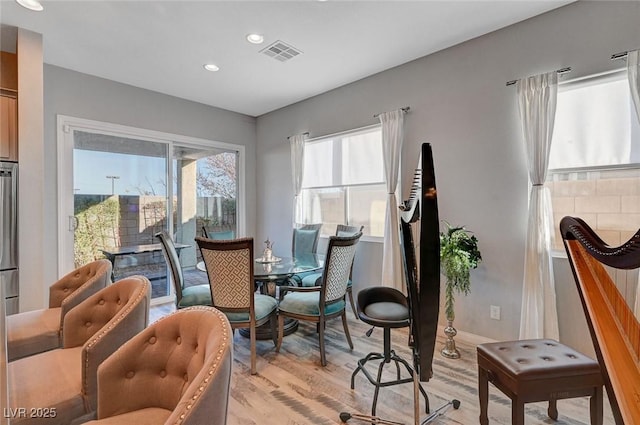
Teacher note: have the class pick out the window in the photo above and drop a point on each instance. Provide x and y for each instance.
(120, 185)
(343, 182)
(594, 163)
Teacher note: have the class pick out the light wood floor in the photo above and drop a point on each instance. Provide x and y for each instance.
(292, 388)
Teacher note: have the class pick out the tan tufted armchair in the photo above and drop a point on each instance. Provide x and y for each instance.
(37, 331)
(177, 370)
(63, 381)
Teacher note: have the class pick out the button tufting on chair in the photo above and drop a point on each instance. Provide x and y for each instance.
(538, 370)
(37, 331)
(72, 370)
(167, 388)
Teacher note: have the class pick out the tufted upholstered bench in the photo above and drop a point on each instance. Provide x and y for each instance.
(537, 370)
(37, 331)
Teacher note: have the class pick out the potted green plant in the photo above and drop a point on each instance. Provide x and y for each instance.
(459, 254)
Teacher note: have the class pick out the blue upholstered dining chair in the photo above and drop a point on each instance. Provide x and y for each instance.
(313, 279)
(185, 296)
(224, 235)
(325, 301)
(304, 241)
(229, 266)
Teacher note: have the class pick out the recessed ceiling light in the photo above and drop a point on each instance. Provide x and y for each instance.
(31, 4)
(255, 38)
(211, 67)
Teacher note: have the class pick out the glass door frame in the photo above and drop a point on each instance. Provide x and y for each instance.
(66, 125)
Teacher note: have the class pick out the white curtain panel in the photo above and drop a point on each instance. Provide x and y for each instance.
(392, 137)
(633, 75)
(297, 171)
(537, 98)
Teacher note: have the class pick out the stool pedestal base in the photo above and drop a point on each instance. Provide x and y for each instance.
(385, 358)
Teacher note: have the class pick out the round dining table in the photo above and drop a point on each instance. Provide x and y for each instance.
(270, 275)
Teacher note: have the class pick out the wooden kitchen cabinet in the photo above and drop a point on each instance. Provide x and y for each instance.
(8, 127)
(8, 106)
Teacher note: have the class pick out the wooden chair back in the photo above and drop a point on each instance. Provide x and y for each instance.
(337, 268)
(229, 266)
(173, 261)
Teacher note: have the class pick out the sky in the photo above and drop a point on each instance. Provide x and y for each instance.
(137, 174)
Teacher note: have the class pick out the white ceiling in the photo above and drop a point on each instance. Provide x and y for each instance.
(162, 45)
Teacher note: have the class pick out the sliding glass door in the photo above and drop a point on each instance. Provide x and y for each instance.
(205, 188)
(120, 201)
(128, 186)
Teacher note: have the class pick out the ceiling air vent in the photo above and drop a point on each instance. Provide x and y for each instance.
(281, 51)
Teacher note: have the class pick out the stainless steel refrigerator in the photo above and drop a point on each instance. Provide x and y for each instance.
(9, 234)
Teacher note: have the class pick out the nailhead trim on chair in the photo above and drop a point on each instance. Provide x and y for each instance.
(212, 368)
(123, 313)
(77, 292)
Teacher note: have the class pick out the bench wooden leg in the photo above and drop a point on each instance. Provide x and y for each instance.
(517, 412)
(596, 407)
(483, 393)
(552, 411)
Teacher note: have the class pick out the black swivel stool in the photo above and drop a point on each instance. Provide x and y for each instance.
(385, 308)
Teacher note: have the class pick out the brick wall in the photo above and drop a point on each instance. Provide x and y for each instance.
(610, 204)
(609, 201)
(140, 218)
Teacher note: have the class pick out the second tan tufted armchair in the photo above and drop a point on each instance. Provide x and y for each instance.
(37, 331)
(177, 370)
(64, 380)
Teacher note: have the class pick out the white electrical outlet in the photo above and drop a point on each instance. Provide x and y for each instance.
(495, 312)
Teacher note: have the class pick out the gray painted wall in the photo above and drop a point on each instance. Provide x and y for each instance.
(83, 96)
(460, 104)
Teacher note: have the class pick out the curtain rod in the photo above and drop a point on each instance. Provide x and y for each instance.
(306, 133)
(343, 132)
(405, 109)
(618, 56)
(560, 71)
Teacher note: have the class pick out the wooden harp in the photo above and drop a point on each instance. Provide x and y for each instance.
(615, 330)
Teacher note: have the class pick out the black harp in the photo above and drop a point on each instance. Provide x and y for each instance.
(423, 277)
